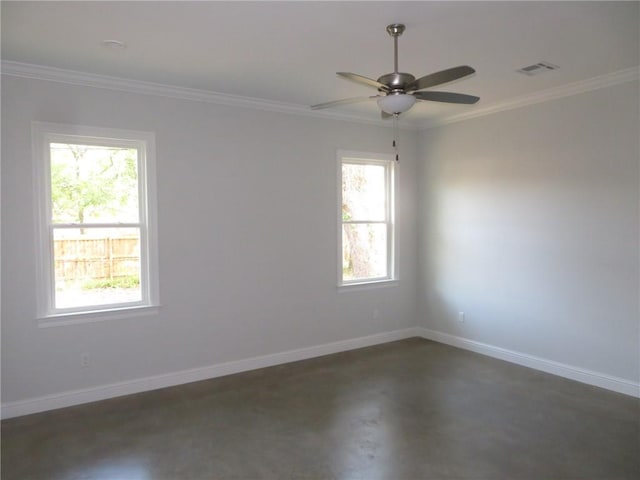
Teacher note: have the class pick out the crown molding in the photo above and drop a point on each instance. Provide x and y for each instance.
(575, 88)
(73, 77)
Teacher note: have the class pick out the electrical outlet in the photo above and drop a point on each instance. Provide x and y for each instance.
(84, 360)
(461, 317)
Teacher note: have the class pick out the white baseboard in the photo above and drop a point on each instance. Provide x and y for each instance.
(597, 379)
(103, 392)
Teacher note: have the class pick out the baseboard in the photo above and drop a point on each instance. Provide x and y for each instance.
(597, 379)
(103, 392)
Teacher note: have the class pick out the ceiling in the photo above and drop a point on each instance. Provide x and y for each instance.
(289, 51)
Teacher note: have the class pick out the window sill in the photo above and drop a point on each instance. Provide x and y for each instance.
(356, 287)
(77, 318)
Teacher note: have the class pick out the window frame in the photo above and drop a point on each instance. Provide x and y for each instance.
(43, 135)
(391, 175)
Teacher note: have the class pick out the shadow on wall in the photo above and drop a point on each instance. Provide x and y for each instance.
(525, 249)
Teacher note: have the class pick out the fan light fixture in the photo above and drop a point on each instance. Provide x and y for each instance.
(396, 103)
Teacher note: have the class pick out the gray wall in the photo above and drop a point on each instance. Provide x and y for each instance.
(529, 223)
(526, 220)
(247, 240)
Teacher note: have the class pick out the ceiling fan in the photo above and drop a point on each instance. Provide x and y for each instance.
(398, 91)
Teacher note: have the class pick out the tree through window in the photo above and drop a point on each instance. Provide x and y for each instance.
(366, 219)
(96, 235)
(95, 224)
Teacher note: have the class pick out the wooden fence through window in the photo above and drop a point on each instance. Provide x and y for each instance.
(96, 258)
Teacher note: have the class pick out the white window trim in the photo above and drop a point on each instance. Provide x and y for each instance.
(388, 161)
(42, 134)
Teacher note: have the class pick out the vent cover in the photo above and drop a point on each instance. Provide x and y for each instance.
(537, 68)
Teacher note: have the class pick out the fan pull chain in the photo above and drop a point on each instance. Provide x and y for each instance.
(395, 135)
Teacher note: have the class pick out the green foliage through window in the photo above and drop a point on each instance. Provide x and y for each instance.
(364, 220)
(93, 184)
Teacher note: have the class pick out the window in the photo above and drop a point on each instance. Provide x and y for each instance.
(97, 237)
(367, 235)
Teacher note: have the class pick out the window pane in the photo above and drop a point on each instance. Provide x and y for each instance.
(96, 266)
(363, 192)
(364, 251)
(93, 184)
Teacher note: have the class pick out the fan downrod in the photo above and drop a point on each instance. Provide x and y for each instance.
(396, 81)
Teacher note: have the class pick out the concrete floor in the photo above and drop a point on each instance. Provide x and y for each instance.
(412, 409)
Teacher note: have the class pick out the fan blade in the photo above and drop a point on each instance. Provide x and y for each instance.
(447, 97)
(385, 115)
(363, 80)
(443, 76)
(344, 101)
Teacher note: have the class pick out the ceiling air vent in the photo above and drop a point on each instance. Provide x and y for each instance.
(537, 68)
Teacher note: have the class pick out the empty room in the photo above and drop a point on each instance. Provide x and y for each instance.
(320, 240)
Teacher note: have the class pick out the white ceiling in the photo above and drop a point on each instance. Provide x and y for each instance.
(289, 51)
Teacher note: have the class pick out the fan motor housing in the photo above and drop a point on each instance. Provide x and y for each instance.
(396, 80)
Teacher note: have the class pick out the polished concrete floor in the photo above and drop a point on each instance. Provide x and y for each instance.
(411, 410)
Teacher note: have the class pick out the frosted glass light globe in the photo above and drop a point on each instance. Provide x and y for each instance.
(396, 103)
